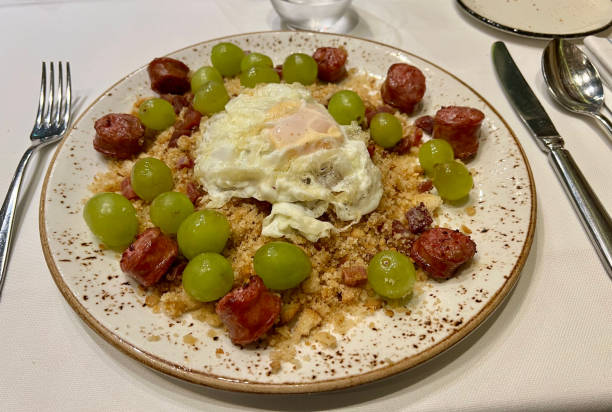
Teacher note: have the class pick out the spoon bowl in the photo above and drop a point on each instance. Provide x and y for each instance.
(573, 80)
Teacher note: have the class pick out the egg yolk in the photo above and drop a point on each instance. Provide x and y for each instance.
(306, 130)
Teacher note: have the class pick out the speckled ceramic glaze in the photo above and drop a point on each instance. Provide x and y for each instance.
(436, 318)
(542, 18)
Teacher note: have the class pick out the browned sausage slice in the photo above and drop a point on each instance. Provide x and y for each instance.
(403, 145)
(404, 87)
(408, 141)
(185, 127)
(249, 311)
(194, 191)
(169, 75)
(178, 101)
(425, 123)
(330, 63)
(418, 218)
(354, 275)
(279, 70)
(440, 251)
(460, 126)
(119, 135)
(176, 270)
(425, 186)
(149, 257)
(127, 190)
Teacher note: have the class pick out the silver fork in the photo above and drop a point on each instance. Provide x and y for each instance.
(52, 119)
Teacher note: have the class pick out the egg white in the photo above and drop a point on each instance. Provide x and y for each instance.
(277, 144)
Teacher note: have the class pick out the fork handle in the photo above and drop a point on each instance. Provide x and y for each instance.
(7, 213)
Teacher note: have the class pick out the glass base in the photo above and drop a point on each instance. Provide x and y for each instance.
(343, 25)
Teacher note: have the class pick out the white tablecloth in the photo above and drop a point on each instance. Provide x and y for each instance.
(549, 346)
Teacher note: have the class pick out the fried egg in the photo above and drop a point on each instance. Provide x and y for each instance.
(276, 143)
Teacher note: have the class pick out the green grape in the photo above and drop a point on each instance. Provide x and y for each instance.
(150, 177)
(211, 98)
(301, 68)
(433, 152)
(258, 74)
(204, 75)
(203, 231)
(112, 219)
(452, 180)
(281, 265)
(346, 106)
(226, 58)
(208, 277)
(391, 274)
(254, 59)
(169, 209)
(156, 114)
(385, 129)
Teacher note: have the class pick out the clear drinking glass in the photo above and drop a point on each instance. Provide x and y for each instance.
(316, 15)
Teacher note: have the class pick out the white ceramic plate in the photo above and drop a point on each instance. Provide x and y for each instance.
(543, 18)
(93, 284)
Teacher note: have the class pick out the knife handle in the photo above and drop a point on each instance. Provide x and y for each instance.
(592, 213)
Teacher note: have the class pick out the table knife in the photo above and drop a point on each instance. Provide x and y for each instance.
(593, 215)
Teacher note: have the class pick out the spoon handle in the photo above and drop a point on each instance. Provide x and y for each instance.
(592, 213)
(605, 122)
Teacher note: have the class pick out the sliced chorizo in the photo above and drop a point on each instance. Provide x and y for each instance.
(354, 275)
(460, 126)
(176, 270)
(178, 101)
(127, 190)
(425, 123)
(425, 186)
(249, 311)
(403, 145)
(404, 87)
(371, 149)
(440, 251)
(261, 205)
(119, 135)
(418, 218)
(186, 126)
(417, 137)
(149, 256)
(169, 75)
(406, 142)
(330, 63)
(279, 70)
(194, 191)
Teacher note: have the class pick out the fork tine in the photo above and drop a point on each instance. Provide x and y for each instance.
(43, 95)
(50, 95)
(58, 103)
(68, 102)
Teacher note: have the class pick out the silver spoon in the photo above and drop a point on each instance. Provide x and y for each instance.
(573, 81)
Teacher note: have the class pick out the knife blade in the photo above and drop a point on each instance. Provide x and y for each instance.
(523, 99)
(592, 214)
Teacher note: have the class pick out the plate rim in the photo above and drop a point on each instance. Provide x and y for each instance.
(239, 385)
(527, 33)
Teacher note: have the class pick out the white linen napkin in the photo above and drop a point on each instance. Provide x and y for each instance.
(599, 50)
